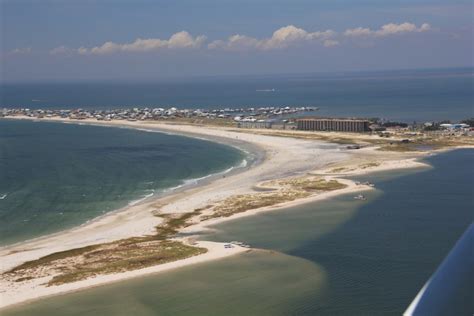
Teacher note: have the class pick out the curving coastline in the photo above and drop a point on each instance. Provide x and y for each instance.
(280, 157)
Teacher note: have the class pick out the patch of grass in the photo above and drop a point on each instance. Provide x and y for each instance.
(24, 279)
(338, 170)
(323, 185)
(122, 255)
(370, 165)
(399, 147)
(46, 260)
(309, 184)
(286, 190)
(107, 261)
(173, 223)
(431, 142)
(245, 202)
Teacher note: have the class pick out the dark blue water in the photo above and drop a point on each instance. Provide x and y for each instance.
(378, 258)
(421, 95)
(54, 176)
(333, 257)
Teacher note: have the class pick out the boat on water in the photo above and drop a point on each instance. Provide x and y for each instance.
(3, 197)
(360, 197)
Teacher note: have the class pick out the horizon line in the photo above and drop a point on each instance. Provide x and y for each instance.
(172, 79)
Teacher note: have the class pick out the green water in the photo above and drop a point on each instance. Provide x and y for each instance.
(54, 176)
(333, 257)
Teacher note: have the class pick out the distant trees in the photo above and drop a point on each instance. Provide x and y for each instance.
(444, 122)
(374, 120)
(394, 124)
(469, 122)
(431, 127)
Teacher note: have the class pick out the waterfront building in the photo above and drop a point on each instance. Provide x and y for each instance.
(329, 124)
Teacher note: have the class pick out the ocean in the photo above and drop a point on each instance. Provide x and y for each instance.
(54, 176)
(410, 95)
(332, 257)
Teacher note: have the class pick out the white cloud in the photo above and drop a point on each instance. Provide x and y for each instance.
(82, 51)
(60, 50)
(359, 31)
(235, 42)
(387, 30)
(178, 40)
(281, 38)
(425, 27)
(20, 51)
(330, 43)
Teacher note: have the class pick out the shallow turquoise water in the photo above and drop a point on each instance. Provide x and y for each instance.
(54, 176)
(334, 257)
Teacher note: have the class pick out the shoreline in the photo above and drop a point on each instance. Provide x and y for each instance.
(178, 202)
(253, 156)
(186, 185)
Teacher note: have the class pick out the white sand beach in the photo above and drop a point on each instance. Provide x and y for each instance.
(283, 157)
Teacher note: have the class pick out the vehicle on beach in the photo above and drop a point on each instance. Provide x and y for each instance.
(240, 244)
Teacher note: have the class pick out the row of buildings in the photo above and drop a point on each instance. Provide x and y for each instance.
(141, 114)
(256, 119)
(312, 124)
(265, 120)
(330, 124)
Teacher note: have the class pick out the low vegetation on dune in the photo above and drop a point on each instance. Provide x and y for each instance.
(348, 169)
(398, 142)
(285, 190)
(124, 255)
(245, 202)
(427, 143)
(309, 184)
(119, 256)
(141, 252)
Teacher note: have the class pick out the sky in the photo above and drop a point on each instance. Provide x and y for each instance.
(77, 40)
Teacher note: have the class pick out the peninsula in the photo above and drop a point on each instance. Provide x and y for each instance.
(159, 234)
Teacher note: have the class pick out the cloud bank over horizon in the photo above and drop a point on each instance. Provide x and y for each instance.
(282, 38)
(180, 40)
(387, 30)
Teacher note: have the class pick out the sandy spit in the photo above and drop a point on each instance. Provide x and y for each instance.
(279, 157)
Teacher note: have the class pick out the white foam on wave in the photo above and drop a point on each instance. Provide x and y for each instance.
(3, 196)
(143, 198)
(195, 181)
(146, 130)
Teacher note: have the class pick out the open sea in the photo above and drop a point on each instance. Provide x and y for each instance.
(54, 176)
(333, 257)
(409, 95)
